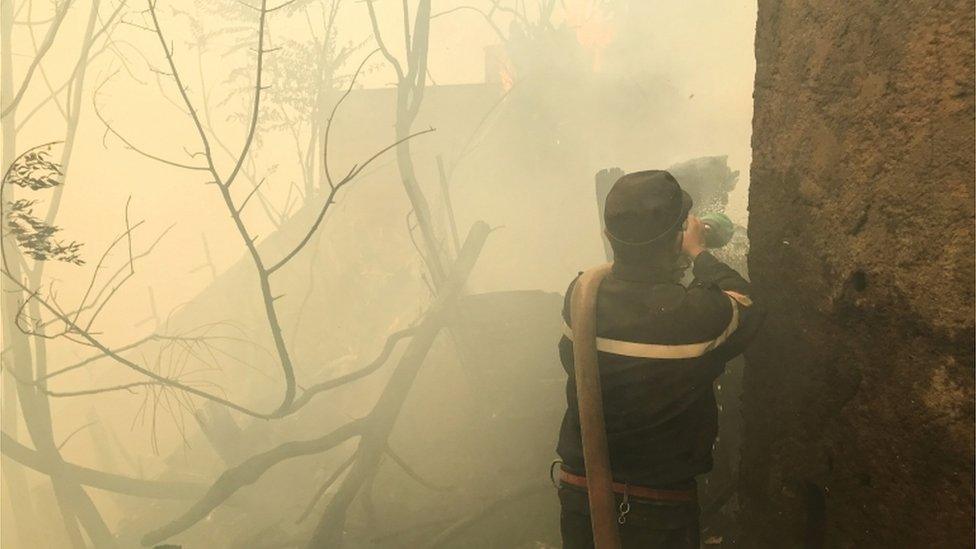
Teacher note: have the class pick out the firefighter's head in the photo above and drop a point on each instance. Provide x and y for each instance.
(644, 215)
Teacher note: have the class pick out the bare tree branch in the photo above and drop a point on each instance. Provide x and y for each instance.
(128, 144)
(182, 89)
(73, 433)
(373, 429)
(256, 106)
(40, 67)
(412, 473)
(448, 204)
(328, 125)
(248, 472)
(420, 253)
(99, 303)
(83, 60)
(263, 274)
(374, 442)
(405, 9)
(101, 260)
(325, 486)
(97, 479)
(379, 41)
(133, 345)
(52, 31)
(417, 60)
(388, 347)
(100, 390)
(50, 97)
(331, 199)
(250, 194)
(269, 209)
(88, 337)
(409, 96)
(485, 15)
(94, 358)
(98, 299)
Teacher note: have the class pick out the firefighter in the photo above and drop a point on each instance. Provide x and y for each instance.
(660, 346)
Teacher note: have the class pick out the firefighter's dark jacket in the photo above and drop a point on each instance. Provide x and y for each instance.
(660, 347)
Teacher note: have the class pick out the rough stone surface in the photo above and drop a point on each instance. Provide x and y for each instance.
(858, 401)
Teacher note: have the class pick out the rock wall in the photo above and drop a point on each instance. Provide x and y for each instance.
(858, 402)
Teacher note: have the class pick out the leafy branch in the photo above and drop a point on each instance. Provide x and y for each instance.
(35, 170)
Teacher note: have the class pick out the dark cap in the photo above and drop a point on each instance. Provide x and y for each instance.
(643, 207)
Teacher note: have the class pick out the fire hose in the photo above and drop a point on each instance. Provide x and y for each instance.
(596, 454)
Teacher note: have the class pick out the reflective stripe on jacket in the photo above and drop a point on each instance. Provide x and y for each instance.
(660, 347)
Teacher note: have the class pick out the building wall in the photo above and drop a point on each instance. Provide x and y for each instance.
(858, 403)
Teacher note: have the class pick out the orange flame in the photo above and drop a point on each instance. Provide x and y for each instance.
(498, 67)
(594, 32)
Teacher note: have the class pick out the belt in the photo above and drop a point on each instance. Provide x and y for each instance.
(640, 492)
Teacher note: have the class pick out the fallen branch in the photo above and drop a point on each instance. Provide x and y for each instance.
(98, 479)
(325, 487)
(373, 429)
(374, 441)
(235, 478)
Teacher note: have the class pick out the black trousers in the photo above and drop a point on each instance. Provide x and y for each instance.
(648, 525)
